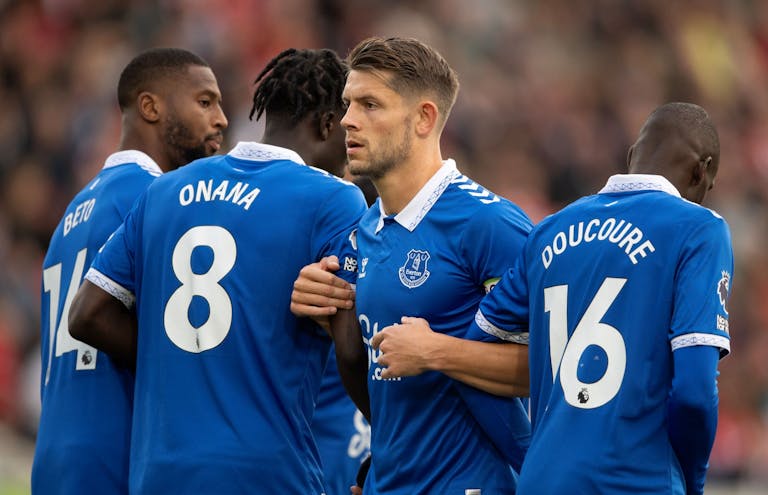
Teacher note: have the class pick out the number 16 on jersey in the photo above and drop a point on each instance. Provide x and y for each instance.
(565, 354)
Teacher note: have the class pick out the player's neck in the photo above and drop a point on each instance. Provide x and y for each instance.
(400, 185)
(292, 141)
(147, 145)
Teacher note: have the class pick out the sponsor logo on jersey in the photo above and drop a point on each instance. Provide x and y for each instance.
(583, 396)
(363, 264)
(722, 323)
(414, 271)
(350, 264)
(722, 289)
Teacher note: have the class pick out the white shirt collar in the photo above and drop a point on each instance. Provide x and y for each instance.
(260, 152)
(133, 156)
(419, 206)
(639, 182)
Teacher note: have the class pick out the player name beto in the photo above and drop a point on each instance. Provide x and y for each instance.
(619, 232)
(81, 214)
(224, 191)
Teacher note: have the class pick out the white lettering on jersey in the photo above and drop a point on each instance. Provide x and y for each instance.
(81, 214)
(205, 191)
(620, 232)
(369, 329)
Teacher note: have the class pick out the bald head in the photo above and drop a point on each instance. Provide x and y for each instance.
(678, 141)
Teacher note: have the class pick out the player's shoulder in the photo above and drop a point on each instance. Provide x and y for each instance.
(469, 193)
(325, 178)
(482, 204)
(699, 211)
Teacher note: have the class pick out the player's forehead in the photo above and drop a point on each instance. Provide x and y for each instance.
(364, 83)
(196, 79)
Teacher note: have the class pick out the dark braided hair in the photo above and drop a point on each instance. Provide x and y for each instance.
(297, 83)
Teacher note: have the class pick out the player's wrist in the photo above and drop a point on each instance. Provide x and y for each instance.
(437, 356)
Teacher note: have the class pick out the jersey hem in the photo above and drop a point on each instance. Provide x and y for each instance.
(111, 287)
(491, 329)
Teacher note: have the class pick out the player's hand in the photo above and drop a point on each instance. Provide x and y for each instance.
(362, 473)
(318, 293)
(404, 347)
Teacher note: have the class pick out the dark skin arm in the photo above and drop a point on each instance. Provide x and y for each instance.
(100, 320)
(329, 301)
(351, 358)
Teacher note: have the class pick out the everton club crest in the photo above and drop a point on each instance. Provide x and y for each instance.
(414, 272)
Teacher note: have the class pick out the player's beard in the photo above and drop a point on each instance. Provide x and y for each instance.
(386, 158)
(184, 147)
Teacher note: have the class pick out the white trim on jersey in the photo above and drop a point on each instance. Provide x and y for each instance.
(133, 156)
(420, 205)
(692, 339)
(111, 287)
(260, 152)
(638, 182)
(491, 329)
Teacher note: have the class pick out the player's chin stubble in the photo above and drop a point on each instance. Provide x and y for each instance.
(185, 147)
(381, 163)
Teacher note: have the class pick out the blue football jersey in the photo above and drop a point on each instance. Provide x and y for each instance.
(342, 434)
(605, 292)
(434, 260)
(84, 432)
(226, 376)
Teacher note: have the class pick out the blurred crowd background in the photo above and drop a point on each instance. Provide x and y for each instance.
(553, 93)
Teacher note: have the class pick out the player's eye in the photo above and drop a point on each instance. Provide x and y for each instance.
(205, 103)
(369, 105)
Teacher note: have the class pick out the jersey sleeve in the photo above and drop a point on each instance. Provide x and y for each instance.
(114, 267)
(334, 229)
(702, 288)
(492, 241)
(503, 312)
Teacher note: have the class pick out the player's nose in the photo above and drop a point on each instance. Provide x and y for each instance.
(219, 119)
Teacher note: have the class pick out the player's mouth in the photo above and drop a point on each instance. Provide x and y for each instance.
(352, 147)
(214, 142)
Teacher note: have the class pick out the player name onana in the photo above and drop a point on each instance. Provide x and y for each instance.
(205, 191)
(619, 232)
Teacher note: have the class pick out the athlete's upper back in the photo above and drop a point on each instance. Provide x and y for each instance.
(617, 281)
(86, 400)
(226, 374)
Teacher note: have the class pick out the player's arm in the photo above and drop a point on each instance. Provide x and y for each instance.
(692, 411)
(412, 347)
(318, 293)
(102, 321)
(699, 338)
(351, 358)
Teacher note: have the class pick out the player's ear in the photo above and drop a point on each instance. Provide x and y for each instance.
(326, 124)
(700, 170)
(426, 120)
(629, 156)
(148, 105)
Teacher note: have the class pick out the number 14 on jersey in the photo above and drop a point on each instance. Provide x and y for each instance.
(59, 335)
